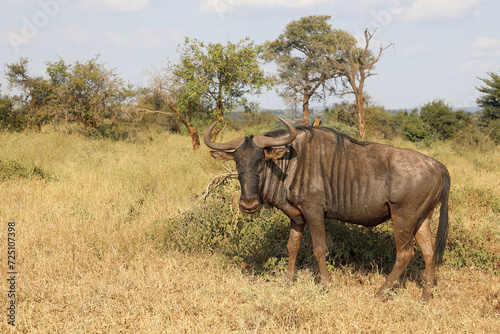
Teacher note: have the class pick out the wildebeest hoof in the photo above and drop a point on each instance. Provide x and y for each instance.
(426, 295)
(383, 295)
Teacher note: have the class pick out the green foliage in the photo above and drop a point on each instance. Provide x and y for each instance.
(5, 111)
(300, 53)
(258, 242)
(413, 128)
(153, 110)
(476, 248)
(214, 78)
(11, 119)
(11, 169)
(478, 198)
(349, 130)
(35, 94)
(492, 129)
(253, 123)
(379, 122)
(85, 92)
(343, 117)
(248, 240)
(87, 89)
(472, 139)
(342, 112)
(465, 249)
(490, 101)
(442, 119)
(434, 120)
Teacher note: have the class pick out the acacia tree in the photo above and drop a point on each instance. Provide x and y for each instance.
(490, 101)
(8, 119)
(84, 91)
(166, 89)
(355, 65)
(35, 93)
(211, 79)
(300, 54)
(88, 89)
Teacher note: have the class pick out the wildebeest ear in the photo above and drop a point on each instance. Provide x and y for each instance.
(220, 155)
(275, 152)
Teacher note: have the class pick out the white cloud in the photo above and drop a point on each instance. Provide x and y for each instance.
(77, 35)
(483, 47)
(144, 38)
(416, 49)
(476, 66)
(141, 38)
(118, 5)
(486, 43)
(224, 6)
(128, 5)
(425, 10)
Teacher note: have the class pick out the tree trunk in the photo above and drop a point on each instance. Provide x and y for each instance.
(220, 118)
(191, 130)
(360, 105)
(305, 110)
(194, 136)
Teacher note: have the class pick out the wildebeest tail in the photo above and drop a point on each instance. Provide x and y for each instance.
(442, 231)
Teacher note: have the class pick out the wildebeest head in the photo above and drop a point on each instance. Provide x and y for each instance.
(250, 155)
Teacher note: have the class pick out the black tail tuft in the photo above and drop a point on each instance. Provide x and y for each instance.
(442, 231)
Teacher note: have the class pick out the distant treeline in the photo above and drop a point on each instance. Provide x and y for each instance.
(91, 98)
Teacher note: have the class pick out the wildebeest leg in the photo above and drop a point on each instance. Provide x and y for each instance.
(425, 241)
(296, 231)
(315, 219)
(404, 253)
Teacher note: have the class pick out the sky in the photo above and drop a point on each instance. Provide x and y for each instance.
(440, 47)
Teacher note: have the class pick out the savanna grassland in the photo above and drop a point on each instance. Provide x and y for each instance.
(95, 252)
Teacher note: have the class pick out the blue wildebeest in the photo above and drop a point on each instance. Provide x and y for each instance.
(314, 172)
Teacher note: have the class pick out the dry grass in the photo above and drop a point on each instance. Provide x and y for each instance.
(87, 261)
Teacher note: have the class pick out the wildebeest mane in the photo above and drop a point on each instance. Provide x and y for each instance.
(340, 137)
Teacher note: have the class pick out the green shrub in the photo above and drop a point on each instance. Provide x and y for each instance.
(379, 122)
(413, 128)
(10, 169)
(249, 240)
(349, 130)
(465, 249)
(258, 241)
(470, 138)
(342, 112)
(12, 118)
(474, 197)
(251, 122)
(442, 119)
(5, 112)
(492, 129)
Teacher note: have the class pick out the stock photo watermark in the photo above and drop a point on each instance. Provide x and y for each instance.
(11, 273)
(224, 6)
(383, 17)
(32, 24)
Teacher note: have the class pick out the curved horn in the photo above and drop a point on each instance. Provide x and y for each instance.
(230, 145)
(263, 141)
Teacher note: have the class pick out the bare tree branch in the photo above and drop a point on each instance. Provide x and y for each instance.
(355, 64)
(156, 112)
(214, 183)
